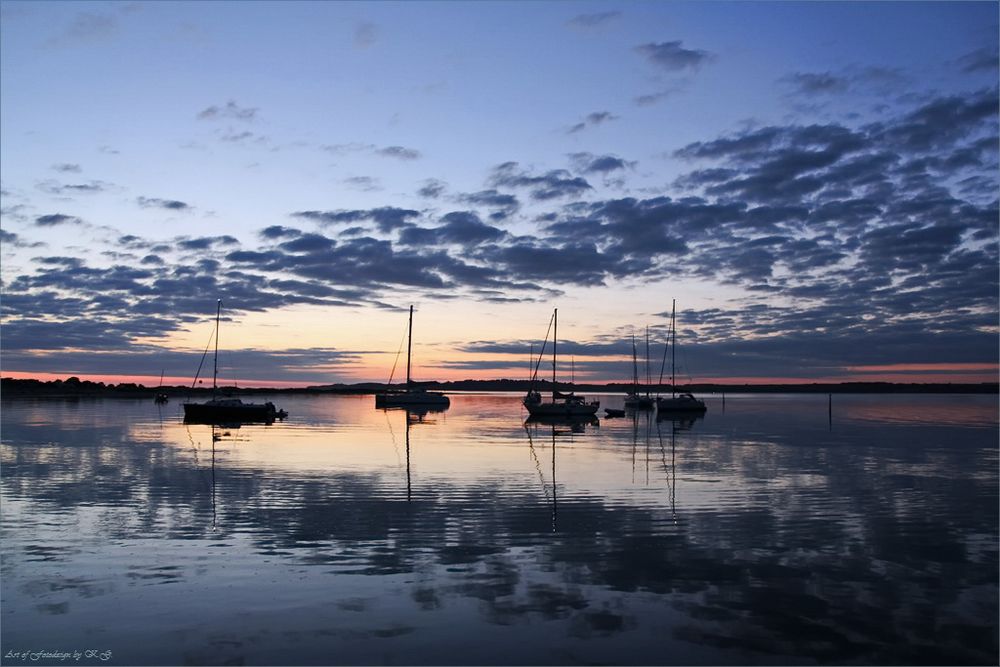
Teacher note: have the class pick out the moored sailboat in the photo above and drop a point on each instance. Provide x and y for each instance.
(228, 410)
(684, 402)
(413, 396)
(561, 404)
(633, 400)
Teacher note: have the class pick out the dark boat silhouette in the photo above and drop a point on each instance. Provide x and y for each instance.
(413, 396)
(561, 404)
(228, 410)
(684, 403)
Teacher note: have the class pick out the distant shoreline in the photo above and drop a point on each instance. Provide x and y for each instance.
(73, 387)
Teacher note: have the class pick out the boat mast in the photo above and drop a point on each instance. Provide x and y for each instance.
(215, 363)
(673, 347)
(555, 336)
(635, 369)
(649, 378)
(409, 344)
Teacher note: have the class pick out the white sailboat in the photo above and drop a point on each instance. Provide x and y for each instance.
(561, 404)
(677, 403)
(412, 396)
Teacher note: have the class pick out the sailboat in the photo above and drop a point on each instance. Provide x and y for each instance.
(683, 402)
(412, 396)
(228, 410)
(633, 399)
(160, 398)
(561, 405)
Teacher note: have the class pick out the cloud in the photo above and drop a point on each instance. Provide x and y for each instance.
(54, 219)
(55, 188)
(980, 60)
(592, 120)
(67, 168)
(386, 218)
(595, 20)
(869, 240)
(15, 240)
(432, 188)
(504, 205)
(169, 204)
(822, 83)
(460, 228)
(230, 111)
(398, 152)
(672, 57)
(554, 184)
(588, 163)
(363, 183)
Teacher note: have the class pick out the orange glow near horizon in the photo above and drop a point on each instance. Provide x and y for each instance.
(151, 381)
(904, 368)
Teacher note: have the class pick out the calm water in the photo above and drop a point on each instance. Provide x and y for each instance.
(761, 534)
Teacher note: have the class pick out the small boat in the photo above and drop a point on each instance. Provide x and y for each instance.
(228, 410)
(611, 412)
(160, 398)
(677, 403)
(413, 396)
(561, 404)
(633, 400)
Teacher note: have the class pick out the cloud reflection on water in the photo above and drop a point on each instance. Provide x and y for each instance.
(868, 542)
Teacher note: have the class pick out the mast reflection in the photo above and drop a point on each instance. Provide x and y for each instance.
(561, 426)
(413, 415)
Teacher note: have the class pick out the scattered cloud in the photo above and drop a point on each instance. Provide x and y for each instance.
(398, 152)
(63, 189)
(553, 184)
(169, 204)
(980, 60)
(595, 20)
(363, 183)
(672, 57)
(67, 168)
(55, 219)
(879, 238)
(230, 111)
(811, 83)
(592, 120)
(432, 188)
(587, 163)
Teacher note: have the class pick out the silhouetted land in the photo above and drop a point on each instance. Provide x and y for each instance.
(74, 387)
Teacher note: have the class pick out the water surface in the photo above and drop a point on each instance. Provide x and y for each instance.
(764, 533)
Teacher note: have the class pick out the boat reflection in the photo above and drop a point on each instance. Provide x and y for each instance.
(576, 423)
(670, 471)
(683, 421)
(417, 415)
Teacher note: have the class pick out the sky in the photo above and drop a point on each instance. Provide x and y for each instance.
(814, 184)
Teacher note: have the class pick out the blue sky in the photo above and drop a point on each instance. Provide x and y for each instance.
(816, 183)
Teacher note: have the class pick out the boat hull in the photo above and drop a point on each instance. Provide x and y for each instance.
(230, 412)
(680, 405)
(412, 399)
(639, 402)
(561, 409)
